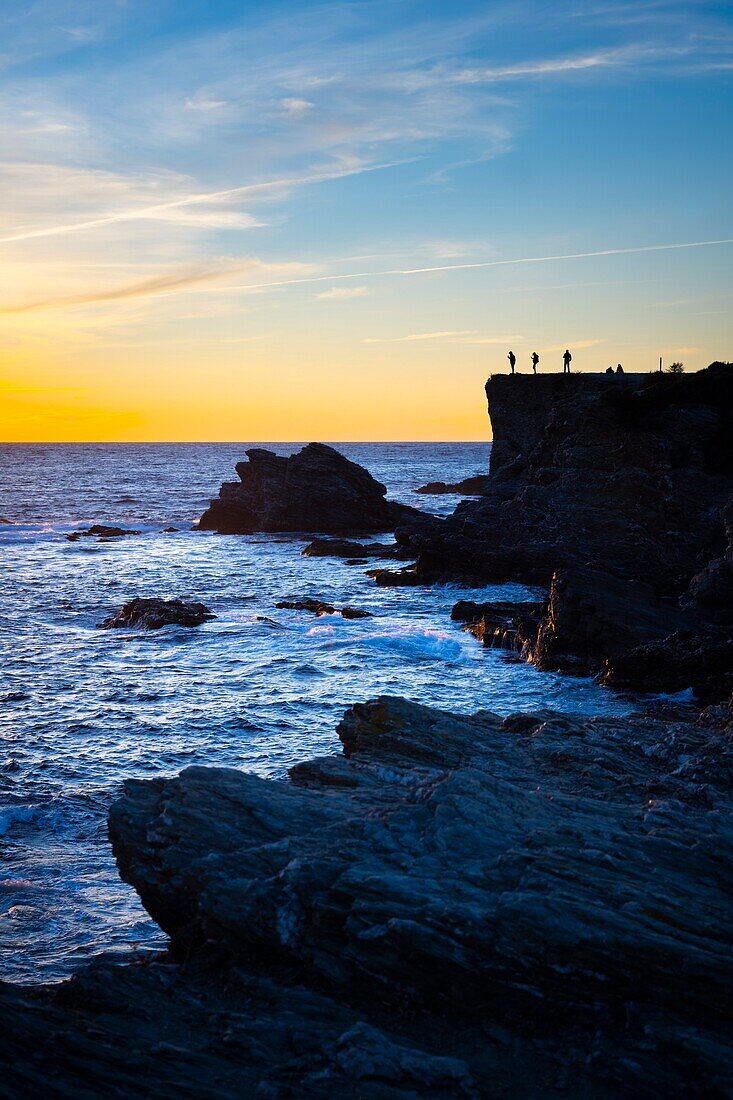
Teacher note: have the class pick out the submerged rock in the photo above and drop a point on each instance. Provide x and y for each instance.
(347, 548)
(320, 607)
(152, 614)
(316, 489)
(100, 531)
(470, 486)
(395, 578)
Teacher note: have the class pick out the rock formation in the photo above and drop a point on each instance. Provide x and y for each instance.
(502, 624)
(456, 907)
(316, 489)
(152, 614)
(629, 474)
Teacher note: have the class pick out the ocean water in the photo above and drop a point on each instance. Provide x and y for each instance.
(81, 708)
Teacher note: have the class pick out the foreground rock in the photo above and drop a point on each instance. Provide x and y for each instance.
(152, 614)
(316, 489)
(630, 477)
(470, 487)
(320, 607)
(456, 907)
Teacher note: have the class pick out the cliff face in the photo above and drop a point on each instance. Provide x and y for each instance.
(630, 474)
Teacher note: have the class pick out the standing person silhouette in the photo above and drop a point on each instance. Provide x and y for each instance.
(566, 361)
(512, 360)
(535, 361)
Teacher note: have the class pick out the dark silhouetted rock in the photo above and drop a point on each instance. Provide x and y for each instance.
(319, 607)
(316, 489)
(631, 477)
(700, 661)
(101, 532)
(711, 590)
(592, 615)
(347, 548)
(152, 614)
(469, 487)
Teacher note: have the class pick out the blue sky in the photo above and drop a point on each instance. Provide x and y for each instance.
(250, 192)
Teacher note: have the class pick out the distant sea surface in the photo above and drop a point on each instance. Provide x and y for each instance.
(82, 708)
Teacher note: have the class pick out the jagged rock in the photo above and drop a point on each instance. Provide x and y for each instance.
(501, 625)
(101, 532)
(592, 616)
(347, 548)
(319, 607)
(700, 661)
(533, 874)
(469, 487)
(630, 477)
(316, 489)
(152, 614)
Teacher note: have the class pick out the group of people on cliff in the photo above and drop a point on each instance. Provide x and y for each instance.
(534, 358)
(566, 361)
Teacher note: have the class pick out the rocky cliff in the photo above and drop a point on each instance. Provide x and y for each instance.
(629, 474)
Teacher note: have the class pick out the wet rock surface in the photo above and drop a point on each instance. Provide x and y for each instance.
(316, 489)
(501, 624)
(152, 614)
(701, 662)
(348, 548)
(99, 531)
(320, 607)
(457, 906)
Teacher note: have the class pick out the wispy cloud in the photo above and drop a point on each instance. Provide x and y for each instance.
(339, 293)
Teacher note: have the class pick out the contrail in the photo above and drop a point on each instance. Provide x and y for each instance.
(393, 272)
(144, 212)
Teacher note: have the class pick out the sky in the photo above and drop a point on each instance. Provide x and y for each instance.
(295, 221)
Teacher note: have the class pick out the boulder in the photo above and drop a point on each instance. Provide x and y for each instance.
(153, 613)
(316, 489)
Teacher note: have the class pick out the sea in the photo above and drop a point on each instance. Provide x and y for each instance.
(81, 709)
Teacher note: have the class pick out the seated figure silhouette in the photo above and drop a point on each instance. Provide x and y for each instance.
(609, 370)
(566, 361)
(535, 361)
(512, 360)
(619, 369)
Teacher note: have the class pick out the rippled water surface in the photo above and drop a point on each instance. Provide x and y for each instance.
(81, 709)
